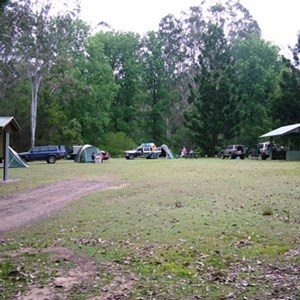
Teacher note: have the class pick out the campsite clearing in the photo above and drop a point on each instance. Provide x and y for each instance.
(198, 229)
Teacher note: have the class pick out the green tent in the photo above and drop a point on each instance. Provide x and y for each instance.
(15, 160)
(84, 155)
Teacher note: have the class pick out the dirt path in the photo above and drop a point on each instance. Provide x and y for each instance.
(25, 207)
(28, 206)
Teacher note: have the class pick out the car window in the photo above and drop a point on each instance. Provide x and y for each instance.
(52, 148)
(35, 149)
(43, 148)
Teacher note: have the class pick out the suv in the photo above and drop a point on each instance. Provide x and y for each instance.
(146, 150)
(261, 151)
(48, 153)
(234, 151)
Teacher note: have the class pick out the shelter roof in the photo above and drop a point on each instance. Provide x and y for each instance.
(9, 124)
(284, 130)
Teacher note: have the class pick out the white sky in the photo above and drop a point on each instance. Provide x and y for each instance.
(278, 19)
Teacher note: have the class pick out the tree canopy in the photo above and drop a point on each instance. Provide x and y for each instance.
(204, 79)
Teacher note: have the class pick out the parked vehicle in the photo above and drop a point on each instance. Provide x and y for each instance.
(72, 151)
(234, 151)
(261, 151)
(146, 150)
(48, 153)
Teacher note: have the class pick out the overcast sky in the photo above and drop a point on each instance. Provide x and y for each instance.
(278, 19)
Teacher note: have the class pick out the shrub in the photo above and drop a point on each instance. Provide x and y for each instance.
(117, 143)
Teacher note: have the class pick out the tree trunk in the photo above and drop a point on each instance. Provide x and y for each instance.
(35, 85)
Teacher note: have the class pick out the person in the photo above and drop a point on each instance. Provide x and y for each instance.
(192, 154)
(99, 158)
(153, 148)
(183, 152)
(106, 156)
(94, 157)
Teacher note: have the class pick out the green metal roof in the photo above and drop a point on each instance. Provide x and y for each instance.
(284, 130)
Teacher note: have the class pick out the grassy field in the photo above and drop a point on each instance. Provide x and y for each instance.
(181, 229)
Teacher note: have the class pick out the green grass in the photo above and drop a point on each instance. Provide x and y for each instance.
(185, 228)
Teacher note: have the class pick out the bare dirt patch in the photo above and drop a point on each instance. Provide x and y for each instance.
(29, 206)
(85, 273)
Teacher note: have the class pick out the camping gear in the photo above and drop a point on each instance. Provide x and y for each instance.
(166, 152)
(14, 160)
(84, 155)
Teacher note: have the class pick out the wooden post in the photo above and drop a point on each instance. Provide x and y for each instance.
(6, 154)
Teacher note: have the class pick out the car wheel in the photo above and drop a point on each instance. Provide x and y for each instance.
(230, 156)
(131, 156)
(51, 159)
(250, 156)
(260, 156)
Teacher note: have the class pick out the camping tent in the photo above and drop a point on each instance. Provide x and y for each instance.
(84, 155)
(14, 160)
(166, 152)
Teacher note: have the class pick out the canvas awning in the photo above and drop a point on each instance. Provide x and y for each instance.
(283, 131)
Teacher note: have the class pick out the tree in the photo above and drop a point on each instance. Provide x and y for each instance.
(175, 57)
(11, 68)
(211, 94)
(235, 20)
(296, 51)
(122, 51)
(2, 4)
(256, 68)
(87, 89)
(154, 75)
(40, 39)
(286, 105)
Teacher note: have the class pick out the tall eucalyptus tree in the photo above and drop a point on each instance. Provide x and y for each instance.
(296, 51)
(40, 38)
(11, 67)
(207, 116)
(154, 75)
(171, 32)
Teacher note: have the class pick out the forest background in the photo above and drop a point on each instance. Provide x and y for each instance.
(205, 79)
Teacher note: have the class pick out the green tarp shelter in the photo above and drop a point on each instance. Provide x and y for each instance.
(84, 155)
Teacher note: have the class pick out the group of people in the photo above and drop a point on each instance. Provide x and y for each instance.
(100, 158)
(185, 153)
